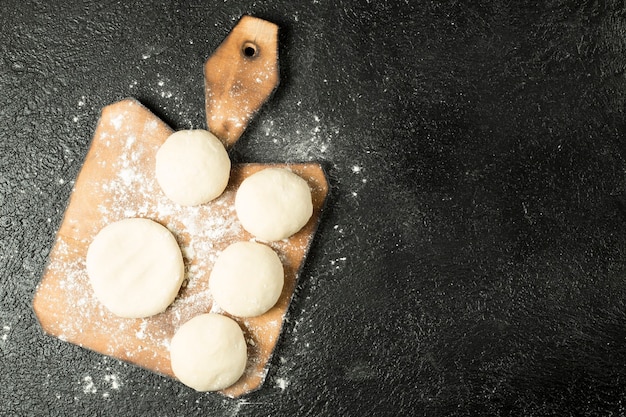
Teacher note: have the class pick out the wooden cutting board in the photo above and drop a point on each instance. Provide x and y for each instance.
(116, 182)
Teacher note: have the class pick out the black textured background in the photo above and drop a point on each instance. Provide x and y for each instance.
(471, 258)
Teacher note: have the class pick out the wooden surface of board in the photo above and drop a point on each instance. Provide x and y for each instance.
(240, 76)
(117, 182)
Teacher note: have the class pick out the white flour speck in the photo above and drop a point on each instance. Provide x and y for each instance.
(113, 380)
(281, 383)
(151, 125)
(130, 140)
(237, 408)
(337, 263)
(141, 333)
(117, 121)
(88, 386)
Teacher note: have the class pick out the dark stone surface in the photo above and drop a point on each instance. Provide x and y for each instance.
(472, 257)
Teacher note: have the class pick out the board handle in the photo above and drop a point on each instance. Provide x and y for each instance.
(240, 76)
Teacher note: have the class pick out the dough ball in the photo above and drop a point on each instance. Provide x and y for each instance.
(209, 352)
(247, 279)
(273, 204)
(135, 267)
(192, 167)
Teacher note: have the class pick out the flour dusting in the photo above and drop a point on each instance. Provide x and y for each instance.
(113, 380)
(5, 333)
(281, 383)
(88, 385)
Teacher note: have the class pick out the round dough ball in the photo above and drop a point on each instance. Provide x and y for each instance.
(135, 267)
(247, 279)
(273, 204)
(192, 167)
(209, 352)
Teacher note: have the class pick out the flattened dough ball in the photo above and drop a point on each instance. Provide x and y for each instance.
(209, 352)
(247, 279)
(135, 267)
(192, 167)
(273, 203)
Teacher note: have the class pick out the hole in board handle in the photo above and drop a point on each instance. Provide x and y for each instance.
(250, 50)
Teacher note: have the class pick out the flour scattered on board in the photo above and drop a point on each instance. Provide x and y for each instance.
(129, 189)
(117, 121)
(141, 333)
(120, 192)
